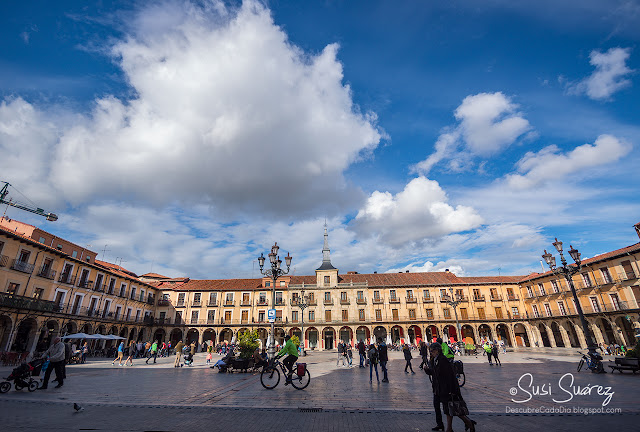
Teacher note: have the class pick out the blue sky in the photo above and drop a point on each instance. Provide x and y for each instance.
(189, 136)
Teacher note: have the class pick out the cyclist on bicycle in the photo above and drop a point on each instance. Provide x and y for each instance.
(292, 350)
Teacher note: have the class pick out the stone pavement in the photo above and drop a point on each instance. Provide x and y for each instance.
(160, 397)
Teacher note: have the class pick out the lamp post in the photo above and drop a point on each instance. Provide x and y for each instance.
(568, 271)
(302, 303)
(454, 304)
(274, 273)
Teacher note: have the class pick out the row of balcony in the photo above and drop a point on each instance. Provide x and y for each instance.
(27, 303)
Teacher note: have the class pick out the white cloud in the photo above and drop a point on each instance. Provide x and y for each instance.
(487, 123)
(549, 164)
(610, 74)
(419, 212)
(226, 112)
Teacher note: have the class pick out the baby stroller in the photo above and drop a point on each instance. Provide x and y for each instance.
(188, 359)
(21, 376)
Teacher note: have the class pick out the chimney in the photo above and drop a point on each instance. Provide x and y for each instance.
(407, 271)
(446, 270)
(375, 272)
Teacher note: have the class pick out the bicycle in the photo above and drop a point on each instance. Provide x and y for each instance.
(594, 362)
(270, 375)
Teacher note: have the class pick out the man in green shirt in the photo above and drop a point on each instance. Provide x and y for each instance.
(292, 351)
(153, 352)
(445, 349)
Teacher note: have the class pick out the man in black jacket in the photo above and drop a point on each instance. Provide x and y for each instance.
(384, 358)
(362, 350)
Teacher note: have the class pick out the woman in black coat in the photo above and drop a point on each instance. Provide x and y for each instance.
(445, 384)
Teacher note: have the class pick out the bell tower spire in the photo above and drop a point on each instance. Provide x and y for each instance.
(326, 252)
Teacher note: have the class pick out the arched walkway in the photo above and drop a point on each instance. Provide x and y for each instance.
(557, 336)
(86, 329)
(414, 334)
(573, 336)
(70, 328)
(176, 336)
(503, 333)
(142, 335)
(209, 336)
(346, 335)
(124, 332)
(544, 335)
(133, 334)
(328, 337)
(193, 336)
(25, 335)
(49, 332)
(262, 335)
(312, 337)
(432, 333)
(484, 332)
(363, 334)
(522, 338)
(226, 334)
(467, 334)
(397, 334)
(5, 331)
(450, 333)
(159, 335)
(628, 332)
(380, 333)
(608, 335)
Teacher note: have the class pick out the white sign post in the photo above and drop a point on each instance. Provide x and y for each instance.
(271, 315)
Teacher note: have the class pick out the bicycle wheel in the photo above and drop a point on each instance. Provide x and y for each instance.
(270, 377)
(17, 386)
(461, 379)
(580, 364)
(301, 382)
(5, 386)
(33, 386)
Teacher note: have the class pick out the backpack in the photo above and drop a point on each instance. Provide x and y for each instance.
(373, 356)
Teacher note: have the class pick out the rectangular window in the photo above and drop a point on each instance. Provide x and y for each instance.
(133, 293)
(227, 316)
(343, 296)
(327, 280)
(213, 298)
(263, 298)
(211, 316)
(481, 314)
(99, 282)
(547, 309)
(426, 294)
(13, 288)
(245, 297)
(392, 295)
(628, 270)
(514, 312)
(394, 314)
(476, 294)
(429, 313)
(535, 311)
(586, 279)
(267, 284)
(194, 317)
(463, 313)
(312, 316)
(410, 294)
(360, 295)
(554, 286)
(75, 254)
(112, 285)
(615, 302)
(499, 312)
(594, 304)
(361, 314)
(312, 299)
(541, 289)
(180, 299)
(244, 317)
(606, 276)
(561, 308)
(345, 315)
(283, 283)
(378, 315)
(278, 316)
(376, 295)
(529, 291)
(327, 316)
(412, 314)
(279, 300)
(37, 294)
(229, 298)
(178, 317)
(138, 315)
(260, 316)
(123, 290)
(294, 316)
(447, 313)
(196, 298)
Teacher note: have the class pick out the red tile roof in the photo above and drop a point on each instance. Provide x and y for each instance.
(155, 275)
(490, 279)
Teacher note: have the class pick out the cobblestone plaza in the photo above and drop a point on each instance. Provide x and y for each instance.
(161, 398)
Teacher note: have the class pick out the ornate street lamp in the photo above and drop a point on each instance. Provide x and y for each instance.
(454, 304)
(302, 303)
(568, 270)
(274, 273)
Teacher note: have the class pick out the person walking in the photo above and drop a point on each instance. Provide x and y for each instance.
(494, 353)
(120, 354)
(56, 361)
(407, 356)
(372, 354)
(210, 353)
(350, 355)
(428, 369)
(362, 350)
(340, 354)
(383, 355)
(153, 352)
(424, 354)
(446, 386)
(179, 347)
(131, 354)
(487, 348)
(85, 352)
